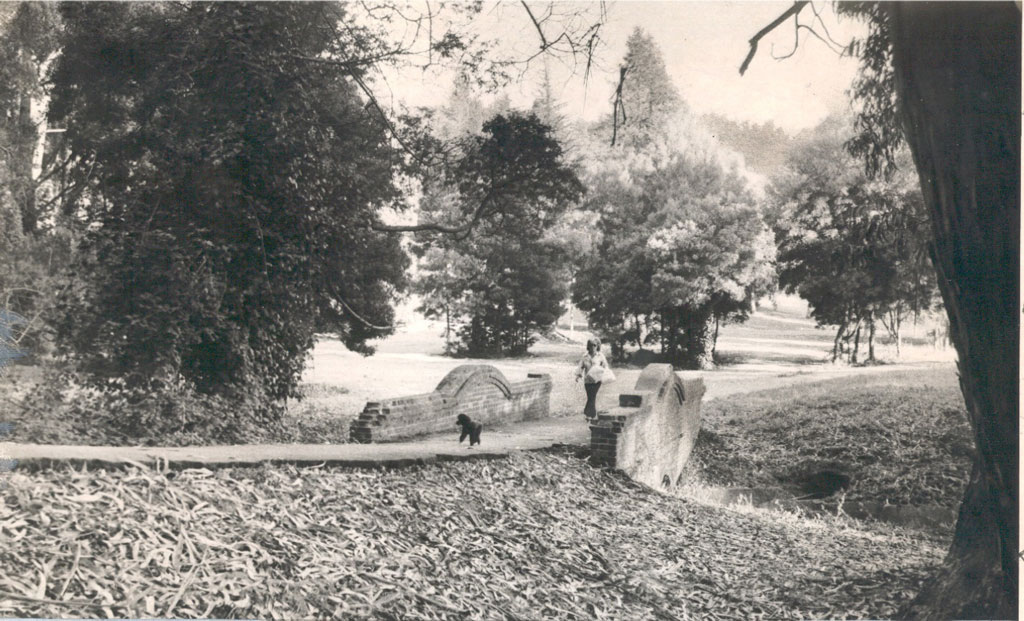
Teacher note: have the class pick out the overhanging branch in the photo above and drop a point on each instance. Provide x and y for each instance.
(362, 319)
(435, 227)
(791, 11)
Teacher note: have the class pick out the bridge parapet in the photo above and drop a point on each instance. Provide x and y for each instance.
(478, 390)
(651, 434)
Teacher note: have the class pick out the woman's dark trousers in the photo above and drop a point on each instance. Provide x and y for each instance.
(590, 410)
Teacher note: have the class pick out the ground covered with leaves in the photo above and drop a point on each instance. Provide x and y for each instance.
(536, 535)
(902, 437)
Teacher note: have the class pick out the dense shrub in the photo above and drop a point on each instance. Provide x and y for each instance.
(64, 407)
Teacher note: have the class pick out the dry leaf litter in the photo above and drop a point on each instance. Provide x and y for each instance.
(536, 536)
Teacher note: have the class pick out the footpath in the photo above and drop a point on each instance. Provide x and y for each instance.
(497, 442)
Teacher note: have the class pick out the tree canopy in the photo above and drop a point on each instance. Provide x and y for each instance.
(683, 243)
(854, 248)
(504, 280)
(232, 185)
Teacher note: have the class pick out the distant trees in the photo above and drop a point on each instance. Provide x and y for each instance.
(764, 146)
(854, 248)
(682, 244)
(35, 241)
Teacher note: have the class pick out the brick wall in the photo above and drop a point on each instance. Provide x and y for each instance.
(478, 390)
(652, 432)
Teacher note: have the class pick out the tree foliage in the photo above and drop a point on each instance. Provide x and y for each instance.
(854, 248)
(504, 280)
(35, 241)
(682, 243)
(232, 185)
(29, 39)
(878, 135)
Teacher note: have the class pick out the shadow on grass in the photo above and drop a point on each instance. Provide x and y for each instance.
(733, 358)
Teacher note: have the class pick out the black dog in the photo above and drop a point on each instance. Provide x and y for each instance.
(469, 428)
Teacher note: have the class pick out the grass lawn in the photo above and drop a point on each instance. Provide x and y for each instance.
(902, 437)
(776, 347)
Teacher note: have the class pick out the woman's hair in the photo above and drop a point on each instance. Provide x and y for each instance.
(594, 343)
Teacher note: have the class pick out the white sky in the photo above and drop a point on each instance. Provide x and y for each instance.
(703, 44)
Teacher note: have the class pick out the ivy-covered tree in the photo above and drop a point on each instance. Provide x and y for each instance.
(504, 281)
(232, 188)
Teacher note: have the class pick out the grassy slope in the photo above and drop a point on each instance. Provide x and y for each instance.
(534, 536)
(903, 436)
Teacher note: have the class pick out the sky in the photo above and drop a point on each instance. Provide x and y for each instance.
(703, 44)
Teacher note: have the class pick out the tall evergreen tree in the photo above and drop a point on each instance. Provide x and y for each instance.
(649, 99)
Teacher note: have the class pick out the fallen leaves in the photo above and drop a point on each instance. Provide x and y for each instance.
(902, 436)
(535, 536)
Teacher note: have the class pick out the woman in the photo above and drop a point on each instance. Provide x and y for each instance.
(593, 368)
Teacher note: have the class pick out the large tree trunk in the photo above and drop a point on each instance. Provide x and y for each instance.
(958, 76)
(25, 190)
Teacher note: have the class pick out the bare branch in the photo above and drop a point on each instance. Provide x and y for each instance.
(573, 40)
(433, 227)
(796, 40)
(617, 105)
(819, 37)
(387, 121)
(824, 27)
(793, 10)
(540, 31)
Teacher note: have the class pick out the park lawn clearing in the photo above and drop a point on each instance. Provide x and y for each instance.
(902, 437)
(535, 535)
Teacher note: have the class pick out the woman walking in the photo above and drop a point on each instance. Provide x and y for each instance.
(593, 368)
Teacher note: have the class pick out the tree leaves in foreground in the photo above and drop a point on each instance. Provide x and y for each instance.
(536, 536)
(232, 188)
